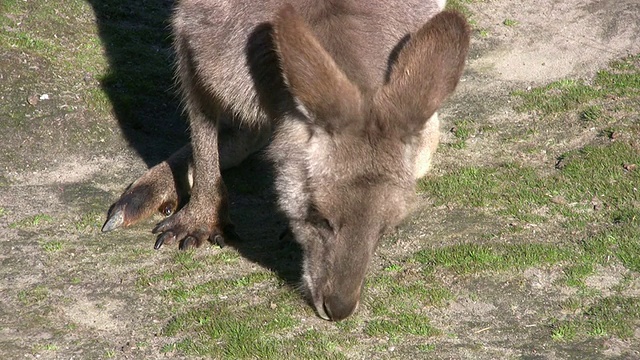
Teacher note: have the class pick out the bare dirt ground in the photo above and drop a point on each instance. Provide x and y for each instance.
(67, 291)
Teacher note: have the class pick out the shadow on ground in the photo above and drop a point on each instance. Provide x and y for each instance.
(263, 229)
(137, 40)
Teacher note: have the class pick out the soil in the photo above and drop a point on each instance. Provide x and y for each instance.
(89, 303)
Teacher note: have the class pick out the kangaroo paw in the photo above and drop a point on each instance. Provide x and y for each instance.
(191, 232)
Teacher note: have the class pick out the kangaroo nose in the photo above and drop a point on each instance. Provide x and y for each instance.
(338, 308)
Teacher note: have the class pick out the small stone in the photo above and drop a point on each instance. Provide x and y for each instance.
(44, 97)
(614, 136)
(596, 203)
(33, 100)
(559, 199)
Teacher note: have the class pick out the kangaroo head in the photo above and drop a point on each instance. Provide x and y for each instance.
(345, 163)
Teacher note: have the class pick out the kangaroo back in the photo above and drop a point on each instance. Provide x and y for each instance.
(351, 89)
(231, 45)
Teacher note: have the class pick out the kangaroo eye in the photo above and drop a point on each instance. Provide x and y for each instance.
(319, 221)
(323, 223)
(326, 224)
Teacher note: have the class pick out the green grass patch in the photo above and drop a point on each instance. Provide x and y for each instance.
(401, 325)
(186, 261)
(592, 113)
(230, 331)
(43, 30)
(32, 221)
(575, 274)
(390, 295)
(89, 221)
(608, 316)
(621, 79)
(520, 192)
(182, 292)
(461, 130)
(564, 331)
(36, 295)
(512, 188)
(471, 258)
(559, 96)
(52, 246)
(462, 6)
(45, 347)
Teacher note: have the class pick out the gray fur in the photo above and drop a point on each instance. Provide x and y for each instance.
(348, 91)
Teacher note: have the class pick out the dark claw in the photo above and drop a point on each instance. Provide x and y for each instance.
(160, 228)
(219, 240)
(115, 219)
(158, 243)
(162, 238)
(188, 243)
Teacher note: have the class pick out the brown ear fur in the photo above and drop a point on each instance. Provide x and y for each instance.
(312, 75)
(427, 70)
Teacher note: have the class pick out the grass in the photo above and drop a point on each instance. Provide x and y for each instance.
(462, 7)
(473, 258)
(35, 295)
(621, 79)
(607, 316)
(398, 301)
(575, 274)
(249, 332)
(50, 42)
(592, 195)
(462, 131)
(52, 246)
(392, 295)
(559, 96)
(89, 221)
(592, 113)
(32, 221)
(45, 347)
(401, 326)
(216, 304)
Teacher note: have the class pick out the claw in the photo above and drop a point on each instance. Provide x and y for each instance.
(188, 243)
(219, 240)
(160, 228)
(158, 243)
(115, 219)
(162, 238)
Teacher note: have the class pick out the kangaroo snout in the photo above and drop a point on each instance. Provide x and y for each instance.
(344, 95)
(337, 307)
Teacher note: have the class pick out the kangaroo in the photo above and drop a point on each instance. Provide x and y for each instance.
(344, 95)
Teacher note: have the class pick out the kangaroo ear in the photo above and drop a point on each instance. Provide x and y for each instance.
(312, 75)
(427, 70)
